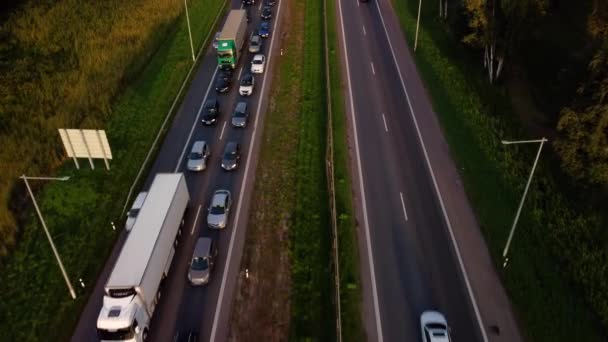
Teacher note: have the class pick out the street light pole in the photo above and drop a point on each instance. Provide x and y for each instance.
(417, 25)
(48, 235)
(189, 31)
(523, 198)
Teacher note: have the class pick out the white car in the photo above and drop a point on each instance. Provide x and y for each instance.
(246, 87)
(132, 213)
(434, 327)
(257, 64)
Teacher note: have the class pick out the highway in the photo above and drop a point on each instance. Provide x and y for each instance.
(183, 307)
(420, 246)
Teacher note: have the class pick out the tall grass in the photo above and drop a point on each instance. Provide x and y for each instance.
(312, 309)
(34, 302)
(558, 257)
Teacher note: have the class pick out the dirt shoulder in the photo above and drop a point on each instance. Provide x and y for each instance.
(261, 311)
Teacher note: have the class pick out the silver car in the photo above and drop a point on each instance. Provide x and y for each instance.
(255, 44)
(202, 261)
(219, 209)
(240, 115)
(132, 213)
(197, 160)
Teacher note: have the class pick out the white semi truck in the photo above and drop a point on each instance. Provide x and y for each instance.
(134, 287)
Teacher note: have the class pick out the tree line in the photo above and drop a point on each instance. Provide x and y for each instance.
(62, 63)
(562, 48)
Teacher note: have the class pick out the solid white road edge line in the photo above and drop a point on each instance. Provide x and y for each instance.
(198, 115)
(218, 307)
(403, 205)
(222, 132)
(373, 70)
(384, 119)
(443, 210)
(198, 211)
(364, 32)
(370, 256)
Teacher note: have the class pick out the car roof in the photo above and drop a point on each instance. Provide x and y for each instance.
(241, 106)
(141, 197)
(198, 146)
(219, 198)
(256, 37)
(211, 102)
(258, 57)
(265, 24)
(231, 146)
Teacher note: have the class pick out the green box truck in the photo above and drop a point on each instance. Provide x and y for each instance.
(232, 39)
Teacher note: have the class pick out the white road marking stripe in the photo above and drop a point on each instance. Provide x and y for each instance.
(198, 115)
(240, 71)
(370, 255)
(198, 211)
(373, 70)
(364, 32)
(218, 308)
(384, 119)
(428, 163)
(403, 205)
(222, 132)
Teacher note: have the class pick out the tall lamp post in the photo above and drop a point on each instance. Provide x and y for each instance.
(523, 197)
(417, 25)
(189, 31)
(48, 235)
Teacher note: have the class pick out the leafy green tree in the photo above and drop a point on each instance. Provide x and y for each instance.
(583, 127)
(497, 26)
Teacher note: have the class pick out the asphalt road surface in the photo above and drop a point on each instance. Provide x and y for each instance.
(182, 306)
(420, 246)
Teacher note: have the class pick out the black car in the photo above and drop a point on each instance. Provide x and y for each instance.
(269, 2)
(248, 14)
(211, 111)
(223, 80)
(266, 13)
(231, 157)
(248, 2)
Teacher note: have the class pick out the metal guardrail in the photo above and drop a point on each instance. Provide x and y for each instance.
(331, 182)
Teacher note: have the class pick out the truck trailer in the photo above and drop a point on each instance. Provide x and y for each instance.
(134, 286)
(231, 40)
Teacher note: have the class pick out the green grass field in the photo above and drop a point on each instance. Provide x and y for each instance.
(34, 301)
(313, 311)
(350, 284)
(474, 118)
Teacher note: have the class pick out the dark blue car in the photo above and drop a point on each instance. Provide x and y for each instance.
(264, 30)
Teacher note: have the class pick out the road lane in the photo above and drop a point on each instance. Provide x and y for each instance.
(415, 265)
(183, 307)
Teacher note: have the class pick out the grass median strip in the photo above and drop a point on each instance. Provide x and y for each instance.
(34, 302)
(288, 294)
(474, 117)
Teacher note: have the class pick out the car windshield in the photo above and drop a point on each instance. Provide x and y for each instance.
(230, 155)
(199, 264)
(196, 155)
(436, 326)
(257, 61)
(133, 212)
(247, 81)
(239, 114)
(116, 335)
(255, 41)
(217, 210)
(210, 110)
